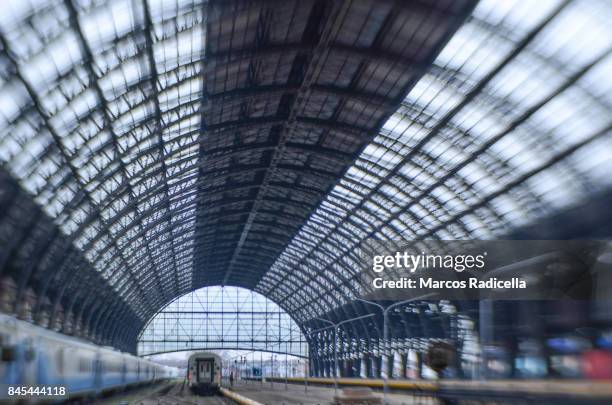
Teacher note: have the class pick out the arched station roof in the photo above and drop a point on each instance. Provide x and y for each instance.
(150, 147)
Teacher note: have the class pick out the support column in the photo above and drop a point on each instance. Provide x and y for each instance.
(384, 366)
(376, 363)
(404, 364)
(363, 369)
(355, 367)
(485, 333)
(419, 365)
(396, 364)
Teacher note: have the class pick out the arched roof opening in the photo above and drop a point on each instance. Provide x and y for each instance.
(222, 318)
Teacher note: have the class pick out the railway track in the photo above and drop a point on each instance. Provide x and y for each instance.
(179, 394)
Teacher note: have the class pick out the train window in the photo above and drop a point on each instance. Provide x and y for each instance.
(29, 353)
(112, 366)
(84, 365)
(9, 353)
(60, 361)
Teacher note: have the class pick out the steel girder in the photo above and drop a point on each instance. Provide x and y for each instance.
(146, 183)
(267, 151)
(313, 95)
(409, 196)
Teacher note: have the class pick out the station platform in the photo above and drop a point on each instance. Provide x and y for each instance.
(321, 391)
(277, 393)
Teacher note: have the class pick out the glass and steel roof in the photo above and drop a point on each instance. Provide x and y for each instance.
(99, 124)
(172, 145)
(510, 124)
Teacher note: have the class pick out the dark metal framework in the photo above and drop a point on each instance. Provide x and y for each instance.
(150, 148)
(507, 127)
(293, 92)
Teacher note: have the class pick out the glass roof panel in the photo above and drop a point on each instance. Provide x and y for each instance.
(498, 132)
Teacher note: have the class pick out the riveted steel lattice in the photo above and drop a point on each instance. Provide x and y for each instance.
(149, 148)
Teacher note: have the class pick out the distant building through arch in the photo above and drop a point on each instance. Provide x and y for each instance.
(222, 318)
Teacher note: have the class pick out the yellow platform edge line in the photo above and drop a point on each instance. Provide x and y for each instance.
(589, 388)
(240, 399)
(375, 383)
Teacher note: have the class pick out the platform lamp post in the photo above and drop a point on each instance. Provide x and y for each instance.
(306, 370)
(272, 372)
(306, 373)
(335, 326)
(385, 312)
(244, 368)
(233, 373)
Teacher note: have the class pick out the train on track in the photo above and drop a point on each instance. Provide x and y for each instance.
(35, 357)
(204, 372)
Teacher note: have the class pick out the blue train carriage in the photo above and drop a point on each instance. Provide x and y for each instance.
(204, 372)
(110, 369)
(31, 355)
(63, 361)
(15, 367)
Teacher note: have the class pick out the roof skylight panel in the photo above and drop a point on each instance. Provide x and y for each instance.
(595, 160)
(26, 148)
(56, 58)
(444, 153)
(510, 209)
(475, 226)
(13, 98)
(415, 175)
(373, 152)
(394, 128)
(40, 27)
(477, 176)
(390, 233)
(37, 181)
(557, 190)
(395, 194)
(577, 36)
(330, 207)
(570, 118)
(128, 73)
(67, 119)
(368, 212)
(344, 193)
(361, 177)
(54, 206)
(433, 95)
(449, 202)
(121, 103)
(473, 51)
